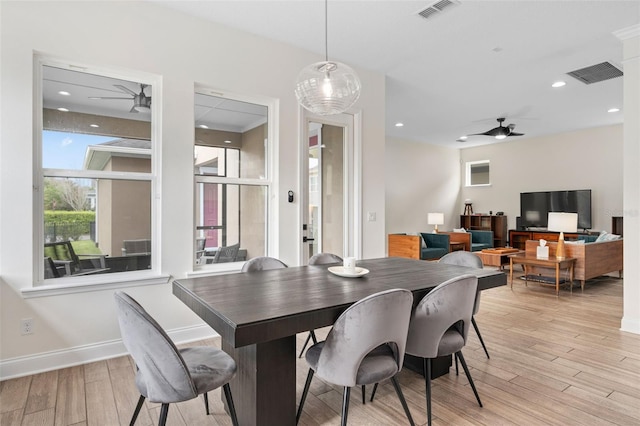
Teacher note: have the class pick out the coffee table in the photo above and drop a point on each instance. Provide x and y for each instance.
(497, 256)
(557, 263)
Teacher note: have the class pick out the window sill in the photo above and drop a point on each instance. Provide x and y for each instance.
(219, 269)
(70, 287)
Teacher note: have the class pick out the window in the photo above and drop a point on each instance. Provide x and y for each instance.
(477, 173)
(96, 176)
(231, 180)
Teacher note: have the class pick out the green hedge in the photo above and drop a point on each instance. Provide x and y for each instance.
(62, 216)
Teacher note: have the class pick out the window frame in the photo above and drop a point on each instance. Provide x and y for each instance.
(268, 182)
(151, 276)
(469, 165)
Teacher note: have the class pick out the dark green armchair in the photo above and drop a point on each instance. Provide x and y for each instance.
(436, 246)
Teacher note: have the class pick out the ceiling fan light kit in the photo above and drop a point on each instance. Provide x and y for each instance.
(327, 87)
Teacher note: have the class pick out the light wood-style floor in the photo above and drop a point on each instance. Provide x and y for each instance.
(554, 361)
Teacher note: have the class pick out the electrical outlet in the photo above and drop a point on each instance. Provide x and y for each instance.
(27, 326)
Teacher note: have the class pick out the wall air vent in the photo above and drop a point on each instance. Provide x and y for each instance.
(596, 73)
(437, 7)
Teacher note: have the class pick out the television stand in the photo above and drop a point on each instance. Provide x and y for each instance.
(518, 238)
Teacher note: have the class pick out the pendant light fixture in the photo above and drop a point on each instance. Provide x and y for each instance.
(327, 87)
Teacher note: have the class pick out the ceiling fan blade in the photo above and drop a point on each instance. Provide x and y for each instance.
(125, 89)
(515, 134)
(106, 97)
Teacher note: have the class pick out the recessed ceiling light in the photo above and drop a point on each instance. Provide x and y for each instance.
(64, 93)
(203, 126)
(227, 141)
(94, 125)
(399, 124)
(464, 138)
(63, 109)
(558, 84)
(613, 110)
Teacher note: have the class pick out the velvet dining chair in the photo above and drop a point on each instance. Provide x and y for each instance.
(366, 345)
(440, 325)
(262, 263)
(166, 374)
(319, 259)
(465, 258)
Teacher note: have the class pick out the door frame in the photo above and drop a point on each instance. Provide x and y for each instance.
(352, 123)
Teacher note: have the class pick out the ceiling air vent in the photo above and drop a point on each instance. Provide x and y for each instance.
(436, 8)
(596, 73)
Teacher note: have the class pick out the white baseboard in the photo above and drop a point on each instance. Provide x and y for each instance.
(631, 325)
(54, 360)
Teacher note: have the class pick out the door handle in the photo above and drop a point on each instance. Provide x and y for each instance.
(305, 239)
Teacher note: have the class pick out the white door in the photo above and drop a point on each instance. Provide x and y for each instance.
(329, 196)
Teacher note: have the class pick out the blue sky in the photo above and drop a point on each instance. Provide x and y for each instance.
(62, 150)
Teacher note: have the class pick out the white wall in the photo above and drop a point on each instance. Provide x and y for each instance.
(421, 178)
(585, 159)
(183, 50)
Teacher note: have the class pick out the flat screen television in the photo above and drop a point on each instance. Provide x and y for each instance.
(535, 207)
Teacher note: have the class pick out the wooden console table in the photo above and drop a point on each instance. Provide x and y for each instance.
(552, 262)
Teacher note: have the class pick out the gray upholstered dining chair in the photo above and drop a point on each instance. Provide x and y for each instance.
(365, 345)
(262, 263)
(319, 259)
(440, 325)
(466, 258)
(324, 259)
(166, 374)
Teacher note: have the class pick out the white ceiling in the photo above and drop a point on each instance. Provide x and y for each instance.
(456, 73)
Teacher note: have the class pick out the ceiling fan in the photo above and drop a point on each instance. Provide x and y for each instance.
(501, 131)
(141, 102)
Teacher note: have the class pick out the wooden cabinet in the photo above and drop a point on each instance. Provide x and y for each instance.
(497, 224)
(517, 239)
(616, 225)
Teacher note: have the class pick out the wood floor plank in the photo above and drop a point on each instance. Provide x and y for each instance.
(42, 393)
(40, 418)
(70, 403)
(11, 418)
(14, 393)
(101, 405)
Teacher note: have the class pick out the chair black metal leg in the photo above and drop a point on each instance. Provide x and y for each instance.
(475, 326)
(375, 388)
(137, 410)
(363, 401)
(304, 394)
(313, 336)
(232, 408)
(345, 405)
(427, 381)
(206, 402)
(306, 342)
(456, 358)
(396, 385)
(164, 410)
(466, 371)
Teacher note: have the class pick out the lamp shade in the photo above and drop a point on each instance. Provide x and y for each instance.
(327, 88)
(435, 218)
(563, 222)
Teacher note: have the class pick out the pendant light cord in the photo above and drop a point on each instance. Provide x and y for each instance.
(326, 32)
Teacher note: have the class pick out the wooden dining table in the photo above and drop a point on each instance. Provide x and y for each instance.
(258, 315)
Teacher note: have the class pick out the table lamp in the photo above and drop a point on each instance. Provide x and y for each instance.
(562, 222)
(435, 219)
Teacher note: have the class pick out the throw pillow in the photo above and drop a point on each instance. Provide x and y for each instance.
(605, 236)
